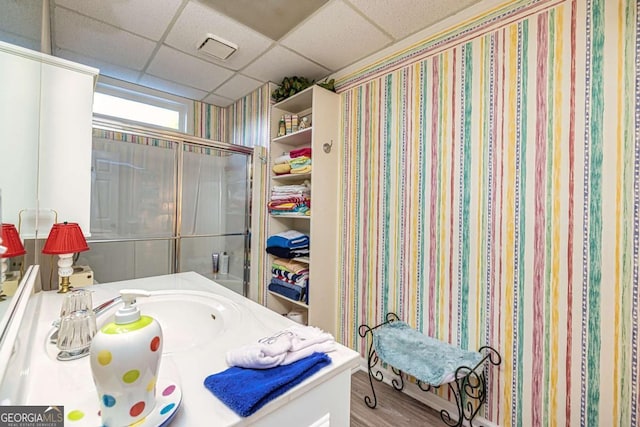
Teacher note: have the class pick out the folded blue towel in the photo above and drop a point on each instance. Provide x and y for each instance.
(288, 239)
(286, 290)
(247, 390)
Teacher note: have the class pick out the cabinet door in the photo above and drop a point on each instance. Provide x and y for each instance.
(19, 133)
(65, 143)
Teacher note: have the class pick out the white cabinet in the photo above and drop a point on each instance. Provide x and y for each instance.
(323, 109)
(46, 115)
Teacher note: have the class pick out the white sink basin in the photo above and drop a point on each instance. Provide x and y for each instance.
(188, 318)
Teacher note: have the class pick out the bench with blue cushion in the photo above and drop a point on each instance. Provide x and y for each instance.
(431, 362)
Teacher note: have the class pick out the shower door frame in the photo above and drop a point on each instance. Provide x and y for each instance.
(181, 139)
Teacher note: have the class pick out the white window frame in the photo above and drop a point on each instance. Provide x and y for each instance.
(148, 96)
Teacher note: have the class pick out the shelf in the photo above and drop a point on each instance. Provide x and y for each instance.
(290, 216)
(291, 177)
(292, 301)
(296, 103)
(301, 137)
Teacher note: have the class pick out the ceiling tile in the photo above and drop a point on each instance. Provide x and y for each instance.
(21, 19)
(147, 18)
(106, 69)
(323, 38)
(187, 70)
(412, 16)
(20, 41)
(220, 101)
(280, 62)
(238, 86)
(273, 18)
(171, 87)
(97, 40)
(197, 20)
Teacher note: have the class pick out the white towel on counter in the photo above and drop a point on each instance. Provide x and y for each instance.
(262, 355)
(285, 347)
(294, 356)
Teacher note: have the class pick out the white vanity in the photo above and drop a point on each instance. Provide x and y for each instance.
(201, 320)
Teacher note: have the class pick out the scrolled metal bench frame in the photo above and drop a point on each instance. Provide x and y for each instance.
(469, 386)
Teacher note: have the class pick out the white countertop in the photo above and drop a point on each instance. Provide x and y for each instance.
(70, 382)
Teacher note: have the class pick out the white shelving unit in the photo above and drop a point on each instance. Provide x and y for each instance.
(322, 106)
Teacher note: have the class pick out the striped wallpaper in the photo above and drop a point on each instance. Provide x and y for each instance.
(210, 122)
(249, 118)
(491, 195)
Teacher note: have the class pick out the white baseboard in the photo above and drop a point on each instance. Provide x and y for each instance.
(430, 399)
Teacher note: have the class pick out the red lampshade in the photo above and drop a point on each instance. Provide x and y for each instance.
(11, 240)
(65, 238)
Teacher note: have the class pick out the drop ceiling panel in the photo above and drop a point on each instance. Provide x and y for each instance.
(238, 86)
(273, 18)
(184, 69)
(147, 18)
(411, 16)
(280, 62)
(220, 101)
(171, 87)
(198, 20)
(20, 41)
(106, 68)
(336, 36)
(89, 37)
(21, 19)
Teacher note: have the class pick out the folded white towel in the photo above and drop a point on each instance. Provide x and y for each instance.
(251, 357)
(323, 347)
(285, 158)
(305, 336)
(282, 348)
(267, 353)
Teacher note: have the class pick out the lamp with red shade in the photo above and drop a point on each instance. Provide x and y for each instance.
(65, 239)
(12, 246)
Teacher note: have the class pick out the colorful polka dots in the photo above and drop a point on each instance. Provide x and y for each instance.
(137, 409)
(104, 357)
(151, 384)
(167, 408)
(75, 415)
(155, 343)
(167, 391)
(131, 376)
(108, 400)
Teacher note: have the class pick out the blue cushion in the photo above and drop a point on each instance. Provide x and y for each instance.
(425, 358)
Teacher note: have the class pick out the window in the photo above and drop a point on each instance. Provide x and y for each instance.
(141, 106)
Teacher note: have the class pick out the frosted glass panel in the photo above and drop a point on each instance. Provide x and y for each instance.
(133, 189)
(114, 261)
(196, 255)
(214, 195)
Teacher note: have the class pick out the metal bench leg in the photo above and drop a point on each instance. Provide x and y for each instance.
(470, 389)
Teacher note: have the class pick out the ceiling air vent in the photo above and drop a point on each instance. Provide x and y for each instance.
(217, 47)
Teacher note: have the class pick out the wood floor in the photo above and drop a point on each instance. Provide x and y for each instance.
(394, 409)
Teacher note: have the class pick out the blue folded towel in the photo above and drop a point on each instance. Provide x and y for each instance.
(247, 390)
(288, 239)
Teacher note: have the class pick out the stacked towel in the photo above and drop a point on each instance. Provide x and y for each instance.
(300, 164)
(288, 244)
(283, 348)
(247, 390)
(290, 199)
(289, 239)
(290, 278)
(294, 162)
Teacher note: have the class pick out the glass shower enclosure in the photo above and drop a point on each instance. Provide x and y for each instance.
(164, 202)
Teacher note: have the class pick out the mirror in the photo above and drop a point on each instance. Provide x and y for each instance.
(20, 95)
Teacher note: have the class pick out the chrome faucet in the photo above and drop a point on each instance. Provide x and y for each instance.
(53, 339)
